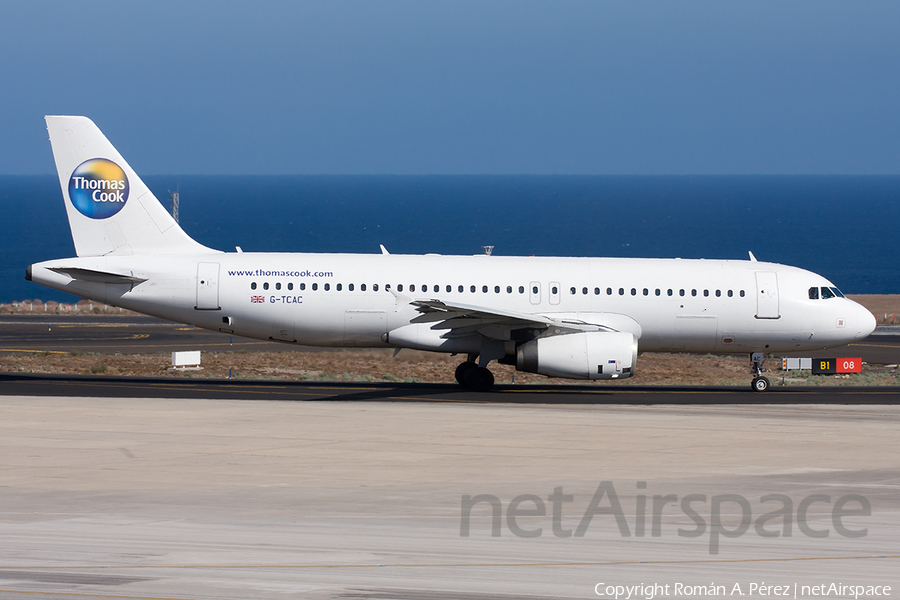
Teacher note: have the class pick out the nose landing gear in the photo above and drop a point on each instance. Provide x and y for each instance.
(759, 383)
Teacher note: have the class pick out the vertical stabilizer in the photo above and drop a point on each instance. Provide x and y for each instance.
(110, 210)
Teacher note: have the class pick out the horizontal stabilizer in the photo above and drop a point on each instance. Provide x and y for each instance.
(97, 276)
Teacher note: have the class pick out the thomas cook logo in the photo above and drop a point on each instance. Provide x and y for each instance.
(98, 188)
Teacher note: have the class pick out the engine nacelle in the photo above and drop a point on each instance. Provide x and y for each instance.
(588, 355)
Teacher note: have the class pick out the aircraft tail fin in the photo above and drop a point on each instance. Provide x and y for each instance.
(111, 211)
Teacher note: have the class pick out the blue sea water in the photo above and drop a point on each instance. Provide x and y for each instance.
(843, 227)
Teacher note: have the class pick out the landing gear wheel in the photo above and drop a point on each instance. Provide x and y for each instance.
(759, 384)
(479, 379)
(461, 371)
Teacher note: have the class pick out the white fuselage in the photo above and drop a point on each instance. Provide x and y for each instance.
(353, 300)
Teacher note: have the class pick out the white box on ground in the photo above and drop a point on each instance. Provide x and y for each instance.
(190, 358)
(794, 364)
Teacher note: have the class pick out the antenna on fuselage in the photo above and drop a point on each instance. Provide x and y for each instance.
(488, 250)
(752, 258)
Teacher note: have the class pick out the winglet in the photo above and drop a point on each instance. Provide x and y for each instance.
(752, 258)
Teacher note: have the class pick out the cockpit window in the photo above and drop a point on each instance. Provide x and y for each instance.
(837, 292)
(813, 293)
(827, 293)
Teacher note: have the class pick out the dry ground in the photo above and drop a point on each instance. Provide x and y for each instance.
(413, 366)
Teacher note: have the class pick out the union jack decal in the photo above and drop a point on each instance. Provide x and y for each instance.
(256, 299)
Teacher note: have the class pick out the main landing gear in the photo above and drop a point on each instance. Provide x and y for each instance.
(470, 375)
(759, 383)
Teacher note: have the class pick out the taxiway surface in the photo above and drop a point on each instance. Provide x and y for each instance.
(30, 384)
(186, 498)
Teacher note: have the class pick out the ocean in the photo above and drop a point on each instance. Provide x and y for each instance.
(843, 227)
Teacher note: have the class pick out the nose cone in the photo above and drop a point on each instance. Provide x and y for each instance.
(865, 322)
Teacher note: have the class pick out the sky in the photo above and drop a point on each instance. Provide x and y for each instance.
(460, 87)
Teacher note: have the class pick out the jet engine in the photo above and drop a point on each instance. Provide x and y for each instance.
(585, 355)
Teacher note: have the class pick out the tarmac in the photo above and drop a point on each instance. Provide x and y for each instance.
(197, 489)
(193, 498)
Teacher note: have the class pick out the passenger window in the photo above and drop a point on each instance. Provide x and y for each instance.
(374, 287)
(584, 290)
(350, 287)
(646, 292)
(278, 286)
(496, 289)
(424, 288)
(730, 293)
(596, 291)
(253, 286)
(742, 293)
(460, 289)
(633, 291)
(609, 291)
(484, 289)
(718, 293)
(315, 286)
(554, 290)
(400, 287)
(509, 289)
(266, 285)
(290, 286)
(621, 291)
(472, 289)
(338, 287)
(658, 292)
(813, 293)
(362, 287)
(706, 293)
(327, 286)
(449, 289)
(412, 288)
(521, 289)
(387, 287)
(302, 286)
(681, 292)
(693, 292)
(571, 291)
(534, 290)
(437, 288)
(669, 291)
(827, 293)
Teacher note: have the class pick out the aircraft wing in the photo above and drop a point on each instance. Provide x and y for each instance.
(435, 311)
(465, 319)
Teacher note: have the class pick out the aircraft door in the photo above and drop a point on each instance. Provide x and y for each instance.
(207, 286)
(767, 295)
(535, 292)
(554, 292)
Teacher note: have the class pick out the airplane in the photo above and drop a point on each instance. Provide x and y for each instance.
(577, 318)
